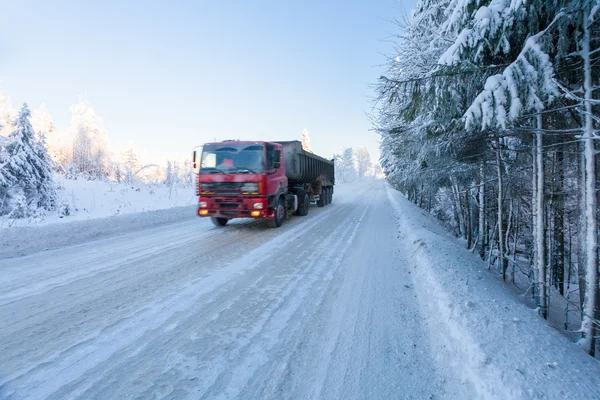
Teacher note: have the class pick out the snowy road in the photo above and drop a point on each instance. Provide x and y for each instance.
(324, 307)
(318, 308)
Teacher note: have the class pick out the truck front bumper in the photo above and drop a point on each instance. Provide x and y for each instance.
(234, 207)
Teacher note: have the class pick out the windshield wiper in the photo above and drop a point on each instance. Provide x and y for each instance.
(246, 169)
(213, 170)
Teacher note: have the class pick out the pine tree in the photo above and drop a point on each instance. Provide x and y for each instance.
(476, 84)
(25, 167)
(495, 35)
(43, 124)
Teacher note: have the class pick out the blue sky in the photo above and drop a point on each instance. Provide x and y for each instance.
(169, 77)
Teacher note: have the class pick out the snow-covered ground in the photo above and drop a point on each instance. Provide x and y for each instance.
(365, 298)
(485, 333)
(98, 199)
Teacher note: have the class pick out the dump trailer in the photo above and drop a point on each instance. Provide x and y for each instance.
(268, 180)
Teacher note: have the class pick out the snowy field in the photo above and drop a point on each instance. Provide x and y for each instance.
(98, 199)
(368, 298)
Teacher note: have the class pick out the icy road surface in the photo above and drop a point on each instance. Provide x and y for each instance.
(333, 305)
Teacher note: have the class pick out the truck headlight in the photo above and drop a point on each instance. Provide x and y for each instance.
(258, 206)
(202, 204)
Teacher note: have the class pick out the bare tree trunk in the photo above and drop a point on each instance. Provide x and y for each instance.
(558, 262)
(581, 232)
(570, 259)
(468, 219)
(508, 228)
(457, 208)
(491, 246)
(588, 328)
(534, 216)
(516, 241)
(482, 233)
(430, 198)
(540, 231)
(461, 212)
(500, 224)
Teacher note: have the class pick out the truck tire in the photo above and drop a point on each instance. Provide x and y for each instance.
(304, 204)
(219, 221)
(327, 191)
(279, 214)
(321, 201)
(330, 195)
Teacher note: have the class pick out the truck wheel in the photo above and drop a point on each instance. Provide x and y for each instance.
(330, 195)
(304, 205)
(321, 201)
(279, 214)
(219, 221)
(327, 196)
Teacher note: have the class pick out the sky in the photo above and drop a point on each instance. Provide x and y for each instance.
(168, 77)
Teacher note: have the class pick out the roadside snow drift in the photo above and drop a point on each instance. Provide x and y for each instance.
(498, 345)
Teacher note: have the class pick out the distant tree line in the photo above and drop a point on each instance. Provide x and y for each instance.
(32, 153)
(351, 165)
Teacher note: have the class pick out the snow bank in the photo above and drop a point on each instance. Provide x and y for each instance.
(24, 240)
(489, 337)
(97, 199)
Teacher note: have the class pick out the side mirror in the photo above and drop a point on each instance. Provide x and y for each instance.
(277, 164)
(195, 164)
(277, 157)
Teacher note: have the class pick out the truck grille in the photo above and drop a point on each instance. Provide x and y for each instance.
(221, 188)
(228, 205)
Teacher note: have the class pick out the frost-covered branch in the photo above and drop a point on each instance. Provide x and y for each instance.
(525, 79)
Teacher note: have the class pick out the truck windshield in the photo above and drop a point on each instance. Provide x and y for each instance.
(232, 159)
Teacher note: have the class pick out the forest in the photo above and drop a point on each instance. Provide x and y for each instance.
(488, 116)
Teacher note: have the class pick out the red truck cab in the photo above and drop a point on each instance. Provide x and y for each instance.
(237, 180)
(248, 179)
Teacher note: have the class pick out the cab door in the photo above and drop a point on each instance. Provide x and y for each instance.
(277, 182)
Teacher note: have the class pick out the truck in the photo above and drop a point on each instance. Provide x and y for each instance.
(261, 180)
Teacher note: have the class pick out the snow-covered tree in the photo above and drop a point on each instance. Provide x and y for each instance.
(584, 21)
(188, 173)
(25, 167)
(363, 160)
(131, 165)
(57, 146)
(497, 32)
(176, 173)
(169, 178)
(305, 139)
(41, 121)
(378, 171)
(482, 98)
(344, 166)
(90, 157)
